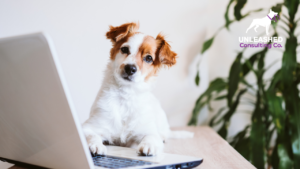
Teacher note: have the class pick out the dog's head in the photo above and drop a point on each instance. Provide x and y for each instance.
(272, 13)
(137, 57)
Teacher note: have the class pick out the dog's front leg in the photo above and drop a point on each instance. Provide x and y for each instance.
(150, 145)
(94, 141)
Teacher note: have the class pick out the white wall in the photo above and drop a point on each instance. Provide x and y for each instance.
(78, 28)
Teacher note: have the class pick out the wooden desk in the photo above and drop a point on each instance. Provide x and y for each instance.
(207, 144)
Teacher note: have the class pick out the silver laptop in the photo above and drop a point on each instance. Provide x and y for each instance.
(38, 123)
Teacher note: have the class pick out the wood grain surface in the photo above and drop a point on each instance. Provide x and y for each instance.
(206, 144)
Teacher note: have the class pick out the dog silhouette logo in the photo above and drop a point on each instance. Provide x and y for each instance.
(264, 22)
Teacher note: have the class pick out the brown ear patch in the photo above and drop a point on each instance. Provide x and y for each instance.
(163, 53)
(119, 32)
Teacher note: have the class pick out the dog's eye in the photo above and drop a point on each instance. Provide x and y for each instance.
(125, 50)
(148, 59)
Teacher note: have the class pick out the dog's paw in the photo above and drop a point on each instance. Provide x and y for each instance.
(97, 148)
(149, 149)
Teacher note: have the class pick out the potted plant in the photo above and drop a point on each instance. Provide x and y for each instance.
(277, 103)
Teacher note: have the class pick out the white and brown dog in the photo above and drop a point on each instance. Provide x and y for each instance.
(125, 112)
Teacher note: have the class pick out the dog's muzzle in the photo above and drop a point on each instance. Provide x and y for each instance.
(129, 71)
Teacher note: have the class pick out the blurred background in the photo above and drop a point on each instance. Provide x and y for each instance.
(77, 29)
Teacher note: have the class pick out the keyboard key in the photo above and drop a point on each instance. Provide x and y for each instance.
(117, 162)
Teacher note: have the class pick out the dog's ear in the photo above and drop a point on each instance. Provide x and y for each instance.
(119, 32)
(163, 53)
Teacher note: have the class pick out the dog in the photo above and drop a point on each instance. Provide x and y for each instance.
(265, 22)
(125, 112)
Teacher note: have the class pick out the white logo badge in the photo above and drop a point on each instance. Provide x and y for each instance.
(265, 22)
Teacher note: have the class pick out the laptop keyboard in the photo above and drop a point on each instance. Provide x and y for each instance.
(117, 162)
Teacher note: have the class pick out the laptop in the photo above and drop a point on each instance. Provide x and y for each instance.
(39, 127)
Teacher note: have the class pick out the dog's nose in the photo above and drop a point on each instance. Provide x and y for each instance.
(130, 69)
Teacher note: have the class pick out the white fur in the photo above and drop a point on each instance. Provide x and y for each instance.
(126, 112)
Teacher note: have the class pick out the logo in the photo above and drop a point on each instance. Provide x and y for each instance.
(264, 22)
(262, 41)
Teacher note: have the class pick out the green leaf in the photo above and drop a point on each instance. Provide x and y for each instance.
(226, 15)
(285, 161)
(228, 21)
(212, 121)
(258, 128)
(243, 81)
(275, 157)
(233, 107)
(276, 110)
(223, 130)
(291, 94)
(197, 79)
(250, 61)
(207, 44)
(257, 140)
(292, 6)
(289, 60)
(221, 97)
(234, 78)
(243, 147)
(229, 113)
(237, 9)
(279, 120)
(215, 86)
(275, 81)
(297, 74)
(241, 143)
(239, 136)
(277, 8)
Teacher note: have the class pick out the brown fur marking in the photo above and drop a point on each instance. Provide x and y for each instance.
(158, 48)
